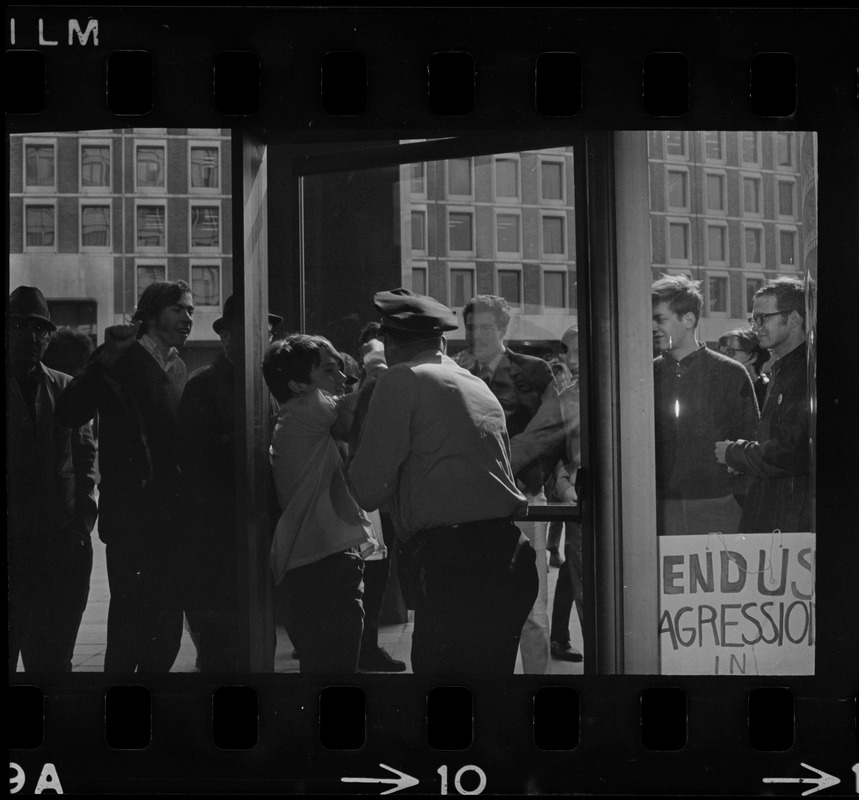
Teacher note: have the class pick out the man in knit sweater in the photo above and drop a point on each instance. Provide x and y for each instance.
(134, 382)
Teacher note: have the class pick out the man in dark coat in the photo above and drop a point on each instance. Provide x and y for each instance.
(207, 426)
(51, 507)
(134, 382)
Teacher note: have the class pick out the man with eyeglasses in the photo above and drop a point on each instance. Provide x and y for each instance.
(700, 397)
(51, 506)
(777, 458)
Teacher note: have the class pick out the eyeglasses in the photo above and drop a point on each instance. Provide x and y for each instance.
(730, 352)
(759, 319)
(39, 331)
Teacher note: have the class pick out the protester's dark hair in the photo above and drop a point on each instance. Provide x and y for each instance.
(155, 298)
(291, 359)
(789, 294)
(69, 350)
(682, 294)
(748, 342)
(489, 302)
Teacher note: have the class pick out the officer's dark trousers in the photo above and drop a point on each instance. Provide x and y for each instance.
(474, 587)
(144, 619)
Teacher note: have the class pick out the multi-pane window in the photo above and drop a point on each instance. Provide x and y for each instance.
(750, 147)
(205, 167)
(787, 248)
(784, 148)
(206, 284)
(95, 166)
(675, 144)
(678, 241)
(461, 287)
(752, 285)
(419, 230)
(786, 198)
(754, 245)
(459, 176)
(713, 146)
(507, 178)
(150, 171)
(752, 195)
(460, 232)
(95, 226)
(715, 192)
(419, 280)
(40, 166)
(40, 224)
(554, 289)
(507, 228)
(151, 230)
(510, 285)
(717, 244)
(417, 178)
(205, 226)
(552, 180)
(717, 294)
(553, 236)
(678, 189)
(149, 273)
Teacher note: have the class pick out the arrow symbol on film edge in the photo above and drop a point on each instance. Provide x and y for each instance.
(823, 782)
(403, 781)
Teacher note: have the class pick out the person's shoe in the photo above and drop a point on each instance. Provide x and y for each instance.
(564, 651)
(556, 560)
(380, 660)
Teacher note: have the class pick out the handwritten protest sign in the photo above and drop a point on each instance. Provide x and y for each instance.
(737, 605)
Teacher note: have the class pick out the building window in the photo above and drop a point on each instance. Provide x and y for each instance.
(717, 295)
(205, 227)
(151, 229)
(459, 177)
(754, 246)
(717, 244)
(553, 236)
(206, 285)
(40, 166)
(678, 241)
(552, 181)
(95, 166)
(40, 225)
(419, 280)
(147, 274)
(507, 233)
(419, 231)
(784, 149)
(750, 147)
(460, 238)
(678, 189)
(205, 167)
(461, 287)
(714, 146)
(95, 226)
(716, 193)
(752, 196)
(510, 286)
(752, 285)
(507, 178)
(787, 248)
(417, 178)
(786, 202)
(554, 289)
(675, 144)
(150, 172)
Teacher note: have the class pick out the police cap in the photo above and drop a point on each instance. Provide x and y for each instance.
(416, 313)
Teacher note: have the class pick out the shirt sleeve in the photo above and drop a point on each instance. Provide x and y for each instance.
(77, 404)
(384, 440)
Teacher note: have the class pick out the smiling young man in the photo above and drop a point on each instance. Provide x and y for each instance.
(777, 457)
(700, 395)
(133, 383)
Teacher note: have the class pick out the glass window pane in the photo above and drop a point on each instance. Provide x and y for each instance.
(753, 245)
(716, 243)
(752, 285)
(751, 195)
(787, 248)
(715, 193)
(510, 286)
(554, 289)
(461, 287)
(205, 226)
(40, 165)
(95, 226)
(150, 166)
(784, 149)
(417, 178)
(713, 145)
(419, 281)
(508, 233)
(149, 273)
(718, 294)
(204, 168)
(677, 189)
(552, 180)
(460, 232)
(95, 165)
(785, 198)
(419, 230)
(40, 226)
(459, 172)
(678, 242)
(750, 147)
(675, 143)
(507, 178)
(206, 284)
(553, 236)
(150, 226)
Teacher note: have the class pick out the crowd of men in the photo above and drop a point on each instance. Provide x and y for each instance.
(402, 449)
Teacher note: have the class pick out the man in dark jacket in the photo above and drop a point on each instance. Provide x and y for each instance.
(778, 458)
(51, 507)
(134, 382)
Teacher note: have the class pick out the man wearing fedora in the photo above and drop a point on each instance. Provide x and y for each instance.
(134, 382)
(51, 508)
(207, 426)
(434, 446)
